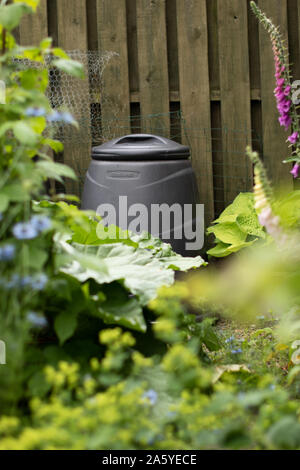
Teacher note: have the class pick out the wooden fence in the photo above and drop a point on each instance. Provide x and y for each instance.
(208, 59)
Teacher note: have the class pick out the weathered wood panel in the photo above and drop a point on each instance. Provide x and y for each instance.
(72, 35)
(112, 36)
(34, 28)
(195, 93)
(153, 65)
(235, 95)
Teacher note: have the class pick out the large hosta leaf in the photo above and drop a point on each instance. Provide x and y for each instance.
(139, 271)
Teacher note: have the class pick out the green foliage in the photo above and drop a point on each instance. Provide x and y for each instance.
(177, 379)
(237, 227)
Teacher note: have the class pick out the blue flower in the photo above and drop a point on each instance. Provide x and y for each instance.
(57, 116)
(25, 281)
(25, 231)
(236, 351)
(151, 395)
(54, 116)
(37, 320)
(67, 118)
(14, 282)
(230, 340)
(35, 112)
(7, 252)
(40, 223)
(39, 283)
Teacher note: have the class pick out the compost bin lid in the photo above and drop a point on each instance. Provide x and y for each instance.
(140, 147)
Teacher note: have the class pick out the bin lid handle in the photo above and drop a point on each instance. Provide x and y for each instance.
(136, 139)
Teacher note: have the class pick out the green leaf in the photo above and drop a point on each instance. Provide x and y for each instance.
(15, 193)
(222, 249)
(65, 325)
(56, 145)
(250, 225)
(243, 204)
(181, 263)
(10, 15)
(37, 257)
(208, 335)
(71, 67)
(121, 310)
(56, 170)
(25, 134)
(58, 52)
(285, 434)
(288, 209)
(140, 273)
(228, 233)
(4, 202)
(38, 385)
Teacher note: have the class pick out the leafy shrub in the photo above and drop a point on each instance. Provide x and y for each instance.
(237, 227)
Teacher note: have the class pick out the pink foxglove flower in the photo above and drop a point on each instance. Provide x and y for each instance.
(293, 138)
(295, 170)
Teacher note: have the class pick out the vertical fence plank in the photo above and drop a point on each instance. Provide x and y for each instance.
(235, 95)
(112, 36)
(34, 28)
(195, 94)
(153, 65)
(72, 35)
(274, 147)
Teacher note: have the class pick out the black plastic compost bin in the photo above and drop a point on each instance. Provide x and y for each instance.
(143, 182)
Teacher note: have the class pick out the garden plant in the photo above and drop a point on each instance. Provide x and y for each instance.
(104, 350)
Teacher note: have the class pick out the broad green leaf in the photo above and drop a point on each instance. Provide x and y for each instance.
(10, 15)
(56, 145)
(58, 52)
(228, 233)
(56, 170)
(181, 263)
(37, 257)
(46, 43)
(4, 202)
(243, 204)
(71, 67)
(140, 273)
(121, 310)
(208, 335)
(38, 385)
(34, 79)
(25, 134)
(250, 225)
(38, 124)
(222, 249)
(15, 193)
(288, 209)
(65, 325)
(285, 433)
